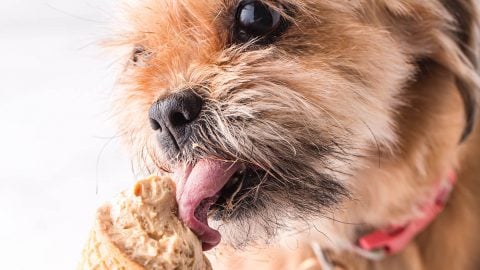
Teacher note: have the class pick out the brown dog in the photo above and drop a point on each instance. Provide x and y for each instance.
(311, 124)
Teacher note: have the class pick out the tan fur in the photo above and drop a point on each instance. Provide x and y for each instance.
(380, 79)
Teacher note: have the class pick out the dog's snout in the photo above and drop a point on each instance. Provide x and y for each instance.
(172, 116)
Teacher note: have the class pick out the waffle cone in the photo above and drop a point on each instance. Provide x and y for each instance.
(112, 245)
(100, 253)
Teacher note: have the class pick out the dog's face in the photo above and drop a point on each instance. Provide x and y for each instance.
(264, 110)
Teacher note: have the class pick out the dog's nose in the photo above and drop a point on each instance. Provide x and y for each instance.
(172, 117)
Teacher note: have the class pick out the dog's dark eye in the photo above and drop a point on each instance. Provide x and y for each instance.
(257, 20)
(139, 55)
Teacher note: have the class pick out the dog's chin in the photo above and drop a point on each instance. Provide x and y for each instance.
(242, 233)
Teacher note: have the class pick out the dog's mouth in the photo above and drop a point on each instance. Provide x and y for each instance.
(211, 188)
(237, 190)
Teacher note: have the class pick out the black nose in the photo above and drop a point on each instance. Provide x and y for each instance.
(172, 117)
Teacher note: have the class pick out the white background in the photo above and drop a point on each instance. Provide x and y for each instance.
(57, 141)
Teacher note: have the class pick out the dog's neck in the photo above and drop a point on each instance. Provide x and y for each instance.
(382, 242)
(382, 201)
(394, 239)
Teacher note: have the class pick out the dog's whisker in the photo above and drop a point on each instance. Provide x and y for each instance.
(376, 143)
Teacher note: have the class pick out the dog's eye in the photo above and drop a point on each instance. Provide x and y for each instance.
(257, 20)
(139, 55)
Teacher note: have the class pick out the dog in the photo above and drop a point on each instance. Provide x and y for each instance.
(315, 134)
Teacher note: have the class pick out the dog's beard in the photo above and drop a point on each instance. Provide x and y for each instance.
(294, 166)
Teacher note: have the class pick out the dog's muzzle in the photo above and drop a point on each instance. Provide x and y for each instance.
(199, 185)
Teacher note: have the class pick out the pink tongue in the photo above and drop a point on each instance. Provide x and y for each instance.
(195, 184)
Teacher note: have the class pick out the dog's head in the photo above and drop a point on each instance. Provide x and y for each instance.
(267, 111)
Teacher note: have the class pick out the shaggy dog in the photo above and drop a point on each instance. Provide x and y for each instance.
(293, 128)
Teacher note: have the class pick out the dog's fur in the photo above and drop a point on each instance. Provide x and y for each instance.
(355, 112)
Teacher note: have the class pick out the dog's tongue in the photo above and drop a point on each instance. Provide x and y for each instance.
(197, 189)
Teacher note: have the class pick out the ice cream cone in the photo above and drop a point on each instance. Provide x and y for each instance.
(100, 253)
(124, 239)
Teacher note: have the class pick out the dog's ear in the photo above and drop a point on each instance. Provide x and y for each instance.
(445, 32)
(460, 53)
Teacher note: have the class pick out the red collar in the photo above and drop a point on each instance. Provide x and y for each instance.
(394, 239)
